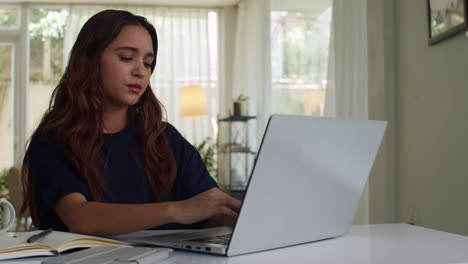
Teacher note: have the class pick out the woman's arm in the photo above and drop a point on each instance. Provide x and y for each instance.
(105, 219)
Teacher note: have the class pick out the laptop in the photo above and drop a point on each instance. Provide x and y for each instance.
(305, 186)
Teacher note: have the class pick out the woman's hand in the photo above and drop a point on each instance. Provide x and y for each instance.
(203, 206)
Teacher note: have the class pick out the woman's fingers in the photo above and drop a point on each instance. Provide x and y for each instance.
(226, 211)
(225, 199)
(206, 205)
(234, 204)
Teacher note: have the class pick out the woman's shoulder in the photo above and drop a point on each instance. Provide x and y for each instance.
(169, 128)
(42, 139)
(177, 142)
(171, 132)
(43, 146)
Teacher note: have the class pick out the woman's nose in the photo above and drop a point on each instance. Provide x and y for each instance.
(138, 70)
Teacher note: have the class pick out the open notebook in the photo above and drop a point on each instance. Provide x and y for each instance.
(14, 245)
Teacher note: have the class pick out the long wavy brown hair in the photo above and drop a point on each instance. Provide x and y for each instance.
(74, 118)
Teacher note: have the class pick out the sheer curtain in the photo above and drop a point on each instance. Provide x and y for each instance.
(246, 54)
(187, 55)
(252, 72)
(346, 93)
(347, 85)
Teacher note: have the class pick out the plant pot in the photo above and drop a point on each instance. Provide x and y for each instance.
(236, 109)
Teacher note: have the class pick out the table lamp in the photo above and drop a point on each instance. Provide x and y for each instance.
(193, 102)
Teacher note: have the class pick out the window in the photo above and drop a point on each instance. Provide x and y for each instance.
(9, 17)
(46, 59)
(6, 106)
(299, 55)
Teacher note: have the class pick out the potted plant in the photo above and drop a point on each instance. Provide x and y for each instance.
(241, 105)
(208, 150)
(3, 185)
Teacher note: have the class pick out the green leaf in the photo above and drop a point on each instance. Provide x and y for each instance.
(208, 151)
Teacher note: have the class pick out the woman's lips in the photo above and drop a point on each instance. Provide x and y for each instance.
(134, 88)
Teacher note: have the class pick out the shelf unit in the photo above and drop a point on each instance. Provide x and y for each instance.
(236, 150)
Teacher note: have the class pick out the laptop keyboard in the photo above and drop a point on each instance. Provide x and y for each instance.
(220, 239)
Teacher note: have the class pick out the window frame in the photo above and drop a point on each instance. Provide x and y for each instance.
(18, 38)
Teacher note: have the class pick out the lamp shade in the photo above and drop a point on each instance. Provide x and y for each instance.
(193, 101)
(314, 101)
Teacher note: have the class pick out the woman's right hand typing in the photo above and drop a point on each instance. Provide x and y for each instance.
(204, 206)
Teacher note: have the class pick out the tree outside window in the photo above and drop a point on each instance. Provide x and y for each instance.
(46, 33)
(299, 54)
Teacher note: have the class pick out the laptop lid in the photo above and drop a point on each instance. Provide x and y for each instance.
(305, 186)
(307, 181)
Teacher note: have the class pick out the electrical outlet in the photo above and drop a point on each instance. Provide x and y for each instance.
(413, 216)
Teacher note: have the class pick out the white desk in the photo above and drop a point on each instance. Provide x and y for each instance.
(388, 243)
(376, 244)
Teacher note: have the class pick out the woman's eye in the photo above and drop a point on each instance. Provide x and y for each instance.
(125, 58)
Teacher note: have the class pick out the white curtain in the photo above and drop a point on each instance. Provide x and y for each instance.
(252, 67)
(347, 85)
(187, 55)
(346, 95)
(245, 49)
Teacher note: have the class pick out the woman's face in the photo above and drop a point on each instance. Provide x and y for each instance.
(126, 67)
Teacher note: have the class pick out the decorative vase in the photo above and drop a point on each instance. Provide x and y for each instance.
(236, 109)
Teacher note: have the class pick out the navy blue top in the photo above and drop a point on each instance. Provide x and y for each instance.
(54, 176)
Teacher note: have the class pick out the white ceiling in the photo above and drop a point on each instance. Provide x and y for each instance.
(201, 3)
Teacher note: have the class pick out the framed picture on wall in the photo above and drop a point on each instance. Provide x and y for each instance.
(446, 18)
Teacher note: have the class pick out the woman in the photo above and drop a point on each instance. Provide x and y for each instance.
(102, 161)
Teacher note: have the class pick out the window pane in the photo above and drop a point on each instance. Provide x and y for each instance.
(9, 17)
(46, 32)
(299, 52)
(6, 107)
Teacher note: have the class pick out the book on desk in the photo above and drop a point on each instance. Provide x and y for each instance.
(16, 245)
(66, 246)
